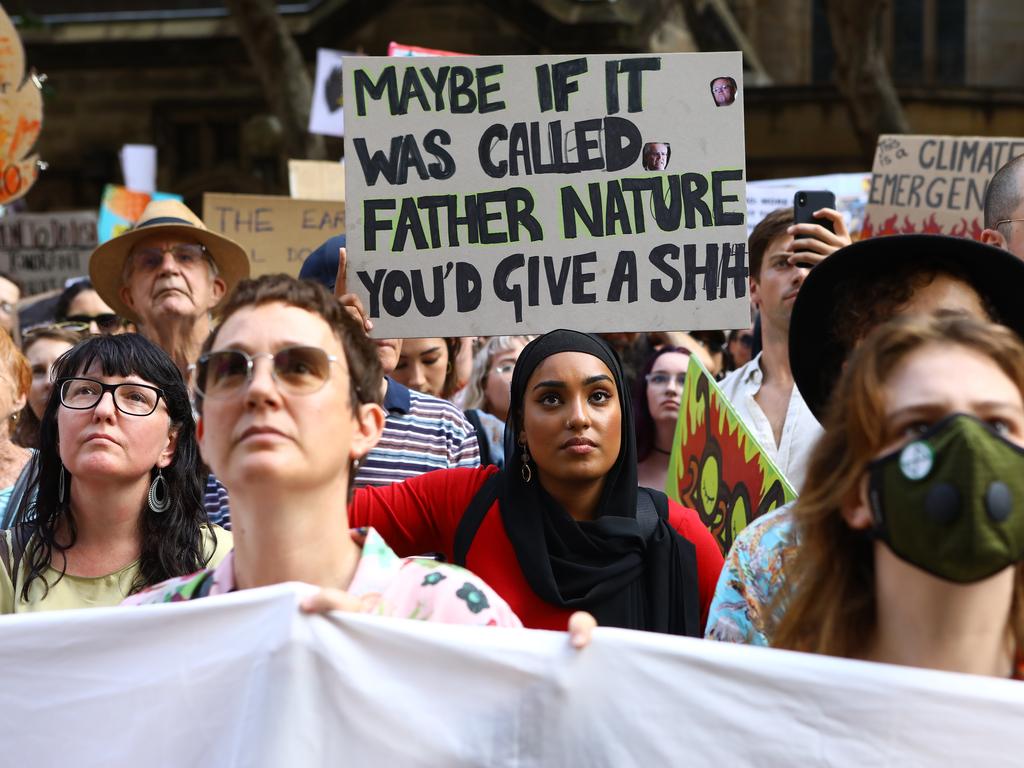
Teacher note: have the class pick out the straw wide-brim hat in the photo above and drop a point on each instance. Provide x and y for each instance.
(816, 358)
(167, 218)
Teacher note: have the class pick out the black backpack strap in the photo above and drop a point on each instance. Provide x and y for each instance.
(651, 505)
(473, 517)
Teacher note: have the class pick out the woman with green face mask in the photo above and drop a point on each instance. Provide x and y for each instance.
(911, 524)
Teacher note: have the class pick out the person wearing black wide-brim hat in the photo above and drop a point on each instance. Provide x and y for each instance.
(845, 297)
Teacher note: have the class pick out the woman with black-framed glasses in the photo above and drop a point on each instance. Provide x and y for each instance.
(119, 503)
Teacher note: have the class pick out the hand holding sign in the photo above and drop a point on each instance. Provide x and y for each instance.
(814, 242)
(350, 301)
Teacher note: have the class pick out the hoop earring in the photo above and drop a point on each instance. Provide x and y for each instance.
(525, 472)
(159, 493)
(60, 485)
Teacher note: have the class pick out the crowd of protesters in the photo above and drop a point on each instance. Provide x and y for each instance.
(255, 434)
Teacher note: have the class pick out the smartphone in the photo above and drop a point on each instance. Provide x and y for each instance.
(805, 203)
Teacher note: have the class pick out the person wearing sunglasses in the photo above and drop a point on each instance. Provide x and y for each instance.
(119, 504)
(657, 397)
(80, 308)
(288, 392)
(168, 274)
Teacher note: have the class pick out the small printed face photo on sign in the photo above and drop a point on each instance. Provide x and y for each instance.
(656, 155)
(723, 90)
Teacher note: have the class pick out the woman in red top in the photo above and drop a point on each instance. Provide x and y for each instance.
(563, 527)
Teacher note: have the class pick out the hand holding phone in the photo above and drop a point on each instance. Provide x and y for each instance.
(815, 237)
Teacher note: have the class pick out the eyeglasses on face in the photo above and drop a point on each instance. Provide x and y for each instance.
(81, 394)
(297, 370)
(662, 380)
(505, 369)
(151, 258)
(7, 307)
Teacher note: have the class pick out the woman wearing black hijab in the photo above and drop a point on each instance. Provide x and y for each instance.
(563, 527)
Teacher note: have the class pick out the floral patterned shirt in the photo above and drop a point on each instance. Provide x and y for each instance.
(410, 588)
(750, 579)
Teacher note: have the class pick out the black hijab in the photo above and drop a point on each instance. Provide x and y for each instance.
(606, 565)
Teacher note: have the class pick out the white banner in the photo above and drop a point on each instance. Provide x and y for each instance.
(247, 680)
(521, 194)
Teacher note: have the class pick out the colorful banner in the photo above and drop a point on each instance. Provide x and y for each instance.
(934, 184)
(717, 466)
(520, 194)
(246, 679)
(121, 207)
(21, 116)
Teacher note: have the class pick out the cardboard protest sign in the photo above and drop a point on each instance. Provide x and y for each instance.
(279, 233)
(136, 687)
(21, 116)
(933, 184)
(850, 189)
(326, 115)
(43, 250)
(316, 180)
(516, 195)
(717, 466)
(121, 207)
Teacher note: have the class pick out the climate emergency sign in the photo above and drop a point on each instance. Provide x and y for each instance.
(492, 195)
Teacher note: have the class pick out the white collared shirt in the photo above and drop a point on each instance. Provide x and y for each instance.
(800, 432)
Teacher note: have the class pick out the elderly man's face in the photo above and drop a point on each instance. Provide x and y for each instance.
(657, 157)
(168, 278)
(724, 92)
(9, 296)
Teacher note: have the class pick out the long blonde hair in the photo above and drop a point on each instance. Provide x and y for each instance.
(829, 588)
(476, 394)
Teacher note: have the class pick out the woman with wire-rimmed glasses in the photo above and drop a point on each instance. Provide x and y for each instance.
(119, 505)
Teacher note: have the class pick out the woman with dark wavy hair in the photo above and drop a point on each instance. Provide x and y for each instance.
(119, 505)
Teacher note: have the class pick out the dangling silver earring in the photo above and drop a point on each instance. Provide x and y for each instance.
(60, 485)
(525, 471)
(159, 493)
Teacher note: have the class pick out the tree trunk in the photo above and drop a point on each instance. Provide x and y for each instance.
(862, 74)
(282, 72)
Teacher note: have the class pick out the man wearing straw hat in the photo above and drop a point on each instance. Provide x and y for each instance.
(168, 275)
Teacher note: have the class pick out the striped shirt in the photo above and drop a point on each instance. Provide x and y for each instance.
(421, 433)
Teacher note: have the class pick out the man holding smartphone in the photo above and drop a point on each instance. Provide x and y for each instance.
(762, 391)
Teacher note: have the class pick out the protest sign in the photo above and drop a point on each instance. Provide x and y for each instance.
(717, 466)
(247, 679)
(400, 49)
(933, 184)
(850, 189)
(326, 115)
(121, 207)
(517, 195)
(21, 116)
(316, 180)
(42, 250)
(138, 166)
(277, 232)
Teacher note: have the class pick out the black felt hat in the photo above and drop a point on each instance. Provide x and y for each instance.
(816, 356)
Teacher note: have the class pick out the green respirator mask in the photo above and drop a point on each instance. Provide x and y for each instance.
(952, 501)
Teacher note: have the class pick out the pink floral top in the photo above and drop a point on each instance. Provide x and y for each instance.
(410, 588)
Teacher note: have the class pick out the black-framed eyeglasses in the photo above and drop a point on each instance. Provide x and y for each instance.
(81, 394)
(297, 370)
(664, 379)
(105, 321)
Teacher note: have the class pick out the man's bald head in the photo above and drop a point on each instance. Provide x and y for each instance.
(1004, 208)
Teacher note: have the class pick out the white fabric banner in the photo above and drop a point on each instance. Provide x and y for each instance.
(247, 680)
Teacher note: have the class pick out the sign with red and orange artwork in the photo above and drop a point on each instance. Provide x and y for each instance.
(21, 116)
(717, 467)
(933, 184)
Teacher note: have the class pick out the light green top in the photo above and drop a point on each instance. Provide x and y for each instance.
(81, 592)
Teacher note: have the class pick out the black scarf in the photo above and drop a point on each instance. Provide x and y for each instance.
(605, 566)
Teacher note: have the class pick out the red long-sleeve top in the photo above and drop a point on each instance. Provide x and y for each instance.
(422, 514)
